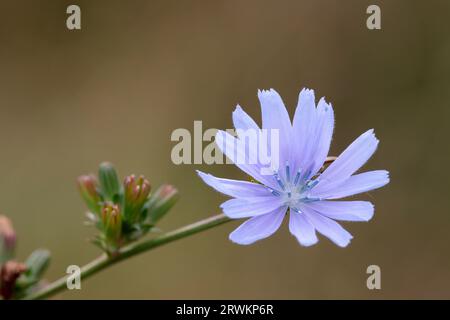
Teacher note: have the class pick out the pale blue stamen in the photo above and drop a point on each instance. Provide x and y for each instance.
(288, 173)
(306, 176)
(297, 177)
(311, 199)
(280, 183)
(274, 192)
(312, 184)
(309, 185)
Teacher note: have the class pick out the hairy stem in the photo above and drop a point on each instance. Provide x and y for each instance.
(104, 261)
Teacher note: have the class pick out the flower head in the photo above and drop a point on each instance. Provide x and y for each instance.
(297, 182)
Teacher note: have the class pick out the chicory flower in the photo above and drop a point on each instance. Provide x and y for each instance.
(298, 184)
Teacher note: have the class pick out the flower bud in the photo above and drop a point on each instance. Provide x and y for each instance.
(112, 222)
(7, 239)
(37, 263)
(109, 182)
(136, 191)
(87, 184)
(161, 202)
(9, 273)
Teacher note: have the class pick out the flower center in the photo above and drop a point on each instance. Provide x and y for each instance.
(295, 189)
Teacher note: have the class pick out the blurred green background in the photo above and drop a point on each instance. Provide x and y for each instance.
(140, 69)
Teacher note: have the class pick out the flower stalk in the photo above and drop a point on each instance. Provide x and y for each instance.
(104, 261)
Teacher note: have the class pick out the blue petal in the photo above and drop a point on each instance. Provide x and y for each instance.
(313, 128)
(234, 188)
(304, 231)
(275, 116)
(357, 183)
(304, 127)
(352, 158)
(259, 227)
(249, 207)
(244, 158)
(329, 228)
(324, 133)
(247, 131)
(243, 121)
(343, 210)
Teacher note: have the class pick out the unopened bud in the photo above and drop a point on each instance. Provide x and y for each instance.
(136, 191)
(112, 222)
(88, 186)
(161, 202)
(109, 182)
(7, 239)
(9, 273)
(37, 263)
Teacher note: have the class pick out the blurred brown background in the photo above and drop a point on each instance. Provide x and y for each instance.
(139, 69)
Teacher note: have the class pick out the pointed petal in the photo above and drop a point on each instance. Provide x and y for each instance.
(244, 158)
(324, 133)
(242, 120)
(274, 113)
(234, 188)
(343, 210)
(275, 116)
(357, 183)
(247, 131)
(329, 228)
(304, 126)
(304, 231)
(352, 158)
(249, 207)
(258, 228)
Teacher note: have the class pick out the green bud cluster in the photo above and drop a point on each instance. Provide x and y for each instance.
(123, 212)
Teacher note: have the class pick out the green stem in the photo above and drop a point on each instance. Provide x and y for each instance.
(104, 261)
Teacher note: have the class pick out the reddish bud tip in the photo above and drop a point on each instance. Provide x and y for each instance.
(7, 234)
(9, 273)
(88, 186)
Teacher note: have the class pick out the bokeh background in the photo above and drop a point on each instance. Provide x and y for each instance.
(140, 69)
